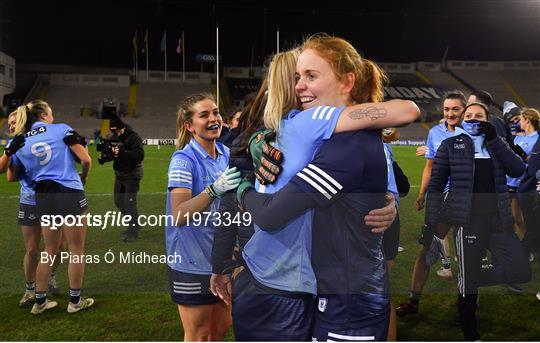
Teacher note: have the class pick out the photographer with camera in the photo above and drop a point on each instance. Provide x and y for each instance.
(125, 149)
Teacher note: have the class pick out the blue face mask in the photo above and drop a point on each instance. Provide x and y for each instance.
(515, 128)
(472, 127)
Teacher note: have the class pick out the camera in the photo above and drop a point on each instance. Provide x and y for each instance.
(104, 147)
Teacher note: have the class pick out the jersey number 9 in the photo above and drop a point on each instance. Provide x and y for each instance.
(42, 149)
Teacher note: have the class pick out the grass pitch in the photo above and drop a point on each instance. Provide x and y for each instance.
(132, 301)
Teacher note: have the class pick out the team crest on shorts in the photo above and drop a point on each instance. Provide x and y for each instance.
(322, 304)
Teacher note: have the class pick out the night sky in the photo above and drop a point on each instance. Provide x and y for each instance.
(99, 33)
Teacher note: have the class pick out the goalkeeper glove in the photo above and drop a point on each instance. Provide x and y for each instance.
(266, 158)
(16, 143)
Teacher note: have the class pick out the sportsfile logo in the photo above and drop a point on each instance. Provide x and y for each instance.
(114, 218)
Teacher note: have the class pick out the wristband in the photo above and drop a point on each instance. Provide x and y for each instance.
(208, 190)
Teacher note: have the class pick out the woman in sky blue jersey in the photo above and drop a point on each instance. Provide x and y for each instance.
(47, 158)
(278, 263)
(30, 226)
(197, 177)
(453, 105)
(529, 121)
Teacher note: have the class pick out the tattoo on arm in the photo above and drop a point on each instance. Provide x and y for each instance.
(371, 112)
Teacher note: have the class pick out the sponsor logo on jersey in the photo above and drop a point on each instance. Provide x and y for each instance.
(37, 131)
(180, 163)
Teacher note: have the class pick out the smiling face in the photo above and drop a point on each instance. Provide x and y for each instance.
(206, 121)
(317, 84)
(452, 109)
(475, 112)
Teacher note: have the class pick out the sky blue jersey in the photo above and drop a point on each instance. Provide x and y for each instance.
(28, 195)
(281, 259)
(45, 156)
(392, 186)
(526, 143)
(436, 135)
(194, 169)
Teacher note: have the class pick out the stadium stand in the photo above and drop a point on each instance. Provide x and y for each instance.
(72, 95)
(514, 81)
(153, 101)
(434, 75)
(524, 77)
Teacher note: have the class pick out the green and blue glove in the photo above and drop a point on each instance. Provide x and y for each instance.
(266, 158)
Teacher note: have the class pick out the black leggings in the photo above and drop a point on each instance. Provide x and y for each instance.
(510, 265)
(125, 198)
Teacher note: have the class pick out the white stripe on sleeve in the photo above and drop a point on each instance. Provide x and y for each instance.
(180, 172)
(314, 185)
(326, 176)
(182, 180)
(319, 180)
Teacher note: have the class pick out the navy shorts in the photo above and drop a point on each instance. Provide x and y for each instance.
(190, 289)
(28, 216)
(390, 240)
(351, 317)
(263, 314)
(54, 199)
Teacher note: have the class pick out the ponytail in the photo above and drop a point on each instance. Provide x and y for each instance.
(372, 87)
(28, 114)
(281, 82)
(20, 123)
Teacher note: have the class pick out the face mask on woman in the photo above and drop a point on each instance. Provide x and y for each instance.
(472, 127)
(515, 128)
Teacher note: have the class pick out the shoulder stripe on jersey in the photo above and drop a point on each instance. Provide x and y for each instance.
(316, 186)
(323, 111)
(179, 172)
(325, 175)
(316, 112)
(329, 114)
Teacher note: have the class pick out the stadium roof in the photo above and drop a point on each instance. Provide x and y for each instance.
(100, 33)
